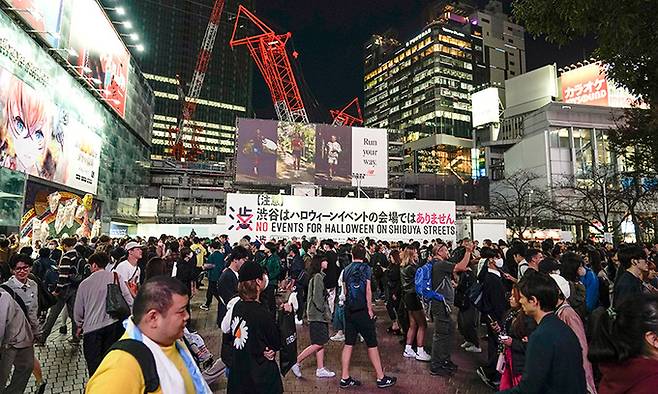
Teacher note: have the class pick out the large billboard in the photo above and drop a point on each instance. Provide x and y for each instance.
(275, 152)
(589, 85)
(266, 216)
(98, 53)
(485, 104)
(43, 16)
(50, 127)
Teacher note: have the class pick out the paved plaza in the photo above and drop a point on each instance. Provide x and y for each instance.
(65, 370)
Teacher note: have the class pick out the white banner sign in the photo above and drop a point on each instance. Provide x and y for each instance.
(265, 216)
(369, 157)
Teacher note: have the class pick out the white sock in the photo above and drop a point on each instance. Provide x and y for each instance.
(408, 348)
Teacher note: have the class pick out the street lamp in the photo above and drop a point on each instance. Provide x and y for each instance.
(118, 10)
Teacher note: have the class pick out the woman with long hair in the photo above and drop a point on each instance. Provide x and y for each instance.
(394, 291)
(319, 316)
(625, 345)
(517, 327)
(417, 321)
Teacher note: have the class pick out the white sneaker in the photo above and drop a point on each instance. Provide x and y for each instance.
(324, 373)
(473, 349)
(423, 356)
(339, 337)
(409, 353)
(465, 345)
(296, 370)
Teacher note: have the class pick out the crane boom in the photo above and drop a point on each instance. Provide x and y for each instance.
(205, 53)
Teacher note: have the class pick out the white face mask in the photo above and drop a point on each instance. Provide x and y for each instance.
(581, 271)
(266, 281)
(499, 263)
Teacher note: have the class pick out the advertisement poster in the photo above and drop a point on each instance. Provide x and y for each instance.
(266, 216)
(589, 85)
(100, 54)
(295, 152)
(370, 157)
(275, 152)
(44, 16)
(42, 139)
(49, 212)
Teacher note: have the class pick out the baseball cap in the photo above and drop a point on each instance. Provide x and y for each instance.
(132, 245)
(250, 271)
(562, 284)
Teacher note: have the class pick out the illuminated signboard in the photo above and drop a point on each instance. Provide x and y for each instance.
(485, 107)
(100, 55)
(589, 85)
(291, 153)
(44, 16)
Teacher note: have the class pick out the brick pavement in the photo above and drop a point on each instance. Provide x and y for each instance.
(64, 366)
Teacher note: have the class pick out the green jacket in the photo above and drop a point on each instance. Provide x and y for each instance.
(272, 265)
(316, 301)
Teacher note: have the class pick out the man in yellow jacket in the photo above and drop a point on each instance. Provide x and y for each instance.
(158, 321)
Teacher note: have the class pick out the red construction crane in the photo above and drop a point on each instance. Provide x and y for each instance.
(343, 118)
(268, 50)
(189, 102)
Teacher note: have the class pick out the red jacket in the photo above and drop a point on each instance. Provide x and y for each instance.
(638, 375)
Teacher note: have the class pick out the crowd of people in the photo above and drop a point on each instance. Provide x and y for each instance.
(555, 317)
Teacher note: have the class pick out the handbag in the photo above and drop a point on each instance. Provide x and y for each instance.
(115, 305)
(288, 352)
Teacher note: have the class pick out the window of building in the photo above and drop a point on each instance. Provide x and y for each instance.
(485, 20)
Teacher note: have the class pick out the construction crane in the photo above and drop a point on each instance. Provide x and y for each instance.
(268, 50)
(190, 101)
(343, 118)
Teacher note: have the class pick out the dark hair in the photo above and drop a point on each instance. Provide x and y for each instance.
(542, 287)
(69, 242)
(271, 246)
(173, 246)
(155, 267)
(316, 265)
(26, 250)
(358, 252)
(216, 245)
(628, 254)
(294, 249)
(248, 290)
(622, 337)
(237, 253)
(100, 259)
(569, 264)
(4, 243)
(518, 248)
(20, 258)
(395, 256)
(44, 252)
(184, 253)
(488, 253)
(595, 260)
(531, 253)
(156, 293)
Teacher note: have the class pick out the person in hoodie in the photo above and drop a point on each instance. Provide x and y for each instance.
(625, 345)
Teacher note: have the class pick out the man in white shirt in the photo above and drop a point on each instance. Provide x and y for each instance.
(128, 269)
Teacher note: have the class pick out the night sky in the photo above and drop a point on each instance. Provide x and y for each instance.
(329, 36)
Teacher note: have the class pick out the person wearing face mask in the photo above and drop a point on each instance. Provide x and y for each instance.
(255, 336)
(633, 265)
(494, 304)
(571, 266)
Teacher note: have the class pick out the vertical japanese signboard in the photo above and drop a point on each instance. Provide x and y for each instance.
(266, 216)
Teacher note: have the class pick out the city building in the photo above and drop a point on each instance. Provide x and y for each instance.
(76, 157)
(422, 88)
(503, 44)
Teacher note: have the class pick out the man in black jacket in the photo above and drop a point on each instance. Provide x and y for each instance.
(227, 289)
(494, 305)
(553, 361)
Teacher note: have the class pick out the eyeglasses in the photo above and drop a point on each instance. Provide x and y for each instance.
(22, 268)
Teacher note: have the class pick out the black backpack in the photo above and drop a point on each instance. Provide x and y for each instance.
(466, 280)
(145, 360)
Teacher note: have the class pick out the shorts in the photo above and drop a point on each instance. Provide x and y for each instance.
(332, 161)
(360, 323)
(412, 302)
(319, 332)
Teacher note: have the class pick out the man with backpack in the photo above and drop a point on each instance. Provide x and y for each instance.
(442, 302)
(360, 319)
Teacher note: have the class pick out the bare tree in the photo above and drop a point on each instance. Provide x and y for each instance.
(595, 198)
(518, 199)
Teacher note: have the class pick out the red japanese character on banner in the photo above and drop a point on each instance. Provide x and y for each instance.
(420, 218)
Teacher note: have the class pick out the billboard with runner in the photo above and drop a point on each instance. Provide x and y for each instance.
(266, 216)
(274, 152)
